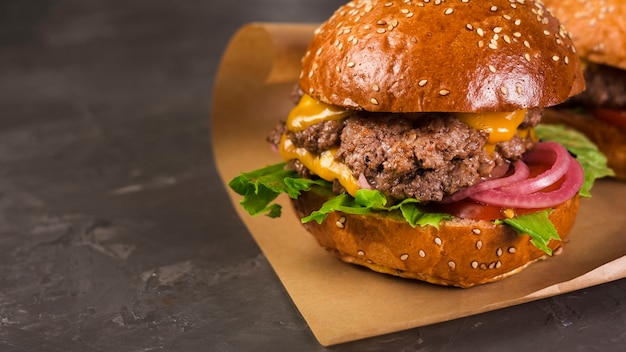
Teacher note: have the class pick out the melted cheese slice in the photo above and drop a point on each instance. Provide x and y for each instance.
(500, 126)
(310, 111)
(324, 165)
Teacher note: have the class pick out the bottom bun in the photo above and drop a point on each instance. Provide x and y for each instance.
(461, 252)
(610, 140)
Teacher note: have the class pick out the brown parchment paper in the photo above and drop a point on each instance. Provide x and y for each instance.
(341, 302)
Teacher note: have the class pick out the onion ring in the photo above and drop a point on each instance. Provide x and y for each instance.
(558, 157)
(521, 173)
(574, 178)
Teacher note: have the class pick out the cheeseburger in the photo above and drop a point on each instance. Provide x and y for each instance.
(414, 147)
(599, 32)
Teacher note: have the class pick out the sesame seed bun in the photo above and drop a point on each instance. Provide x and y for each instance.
(462, 56)
(461, 252)
(598, 28)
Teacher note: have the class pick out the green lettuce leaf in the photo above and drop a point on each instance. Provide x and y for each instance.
(536, 225)
(366, 201)
(590, 158)
(261, 187)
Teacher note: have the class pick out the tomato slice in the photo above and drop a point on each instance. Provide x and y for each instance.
(467, 209)
(615, 117)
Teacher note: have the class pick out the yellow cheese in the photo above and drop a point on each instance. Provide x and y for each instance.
(501, 126)
(324, 165)
(310, 111)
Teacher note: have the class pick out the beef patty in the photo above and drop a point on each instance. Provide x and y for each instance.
(606, 87)
(423, 156)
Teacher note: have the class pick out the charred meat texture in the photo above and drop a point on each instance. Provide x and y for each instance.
(606, 87)
(425, 157)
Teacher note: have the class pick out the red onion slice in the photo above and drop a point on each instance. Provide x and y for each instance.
(521, 173)
(552, 152)
(574, 179)
(362, 182)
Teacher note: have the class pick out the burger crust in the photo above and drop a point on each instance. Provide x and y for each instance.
(461, 252)
(598, 28)
(474, 56)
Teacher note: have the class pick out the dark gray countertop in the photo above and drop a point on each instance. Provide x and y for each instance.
(115, 231)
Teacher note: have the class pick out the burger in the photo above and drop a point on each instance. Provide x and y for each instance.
(414, 147)
(599, 33)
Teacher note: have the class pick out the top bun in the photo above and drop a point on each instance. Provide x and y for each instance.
(598, 28)
(446, 56)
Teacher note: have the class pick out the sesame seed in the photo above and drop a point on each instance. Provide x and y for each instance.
(438, 241)
(469, 26)
(493, 45)
(566, 60)
(512, 250)
(517, 22)
(492, 68)
(339, 225)
(421, 253)
(480, 32)
(409, 15)
(381, 30)
(475, 264)
(338, 69)
(517, 34)
(518, 89)
(492, 265)
(452, 264)
(422, 82)
(404, 256)
(351, 64)
(360, 253)
(546, 32)
(555, 58)
(507, 17)
(497, 29)
(375, 88)
(499, 252)
(444, 92)
(498, 264)
(448, 11)
(310, 73)
(374, 101)
(476, 231)
(404, 11)
(503, 90)
(493, 8)
(479, 244)
(527, 57)
(481, 44)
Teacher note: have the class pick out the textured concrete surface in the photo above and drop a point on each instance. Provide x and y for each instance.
(114, 231)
